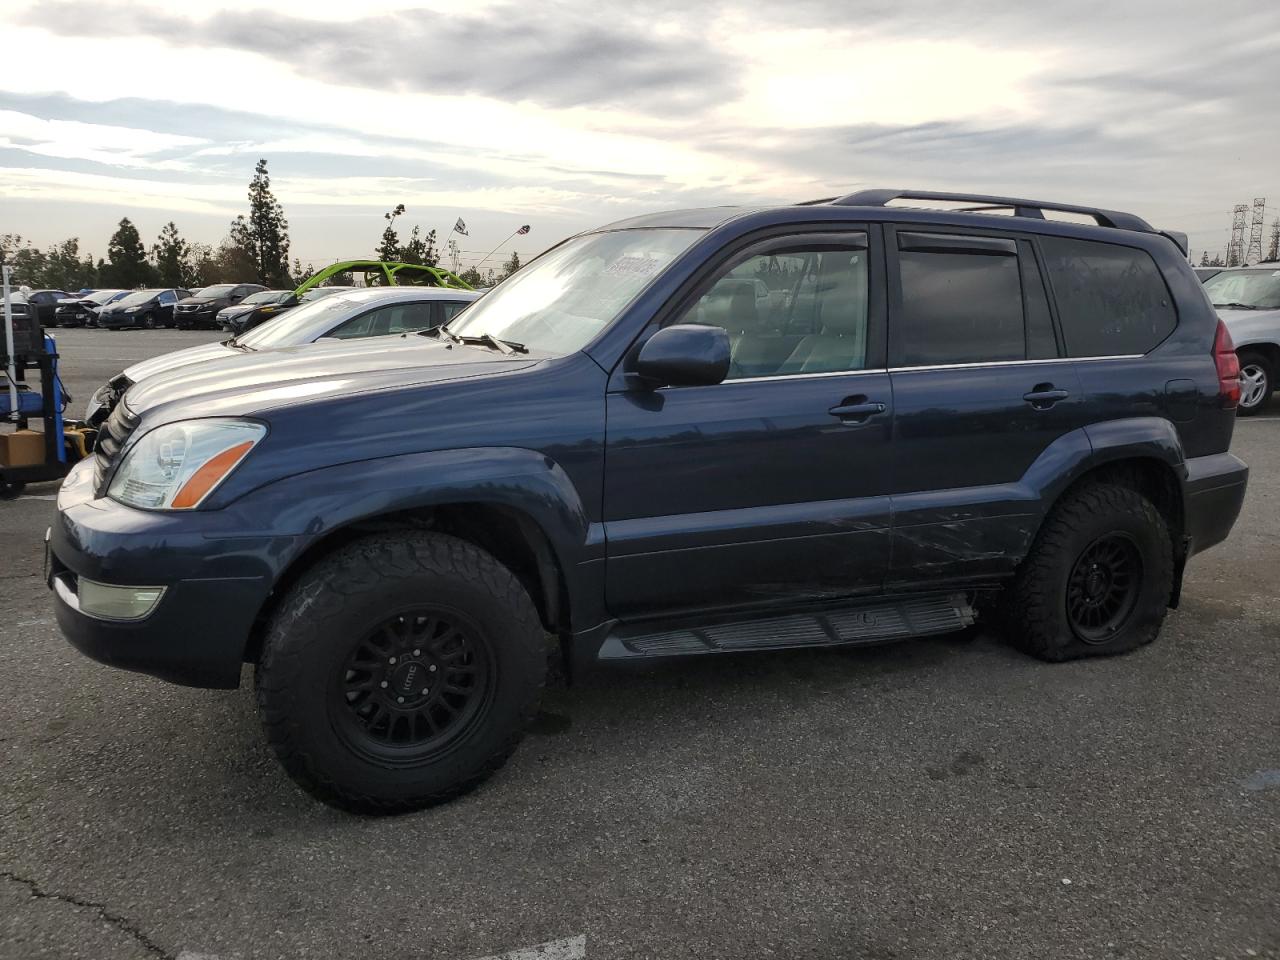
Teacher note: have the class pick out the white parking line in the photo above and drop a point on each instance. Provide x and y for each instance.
(573, 948)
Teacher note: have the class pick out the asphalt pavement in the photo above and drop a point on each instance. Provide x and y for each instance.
(939, 798)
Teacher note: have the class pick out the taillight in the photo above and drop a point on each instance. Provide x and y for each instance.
(1228, 364)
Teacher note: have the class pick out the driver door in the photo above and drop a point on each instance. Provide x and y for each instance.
(771, 487)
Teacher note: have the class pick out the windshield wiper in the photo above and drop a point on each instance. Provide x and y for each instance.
(1236, 305)
(482, 339)
(235, 344)
(489, 340)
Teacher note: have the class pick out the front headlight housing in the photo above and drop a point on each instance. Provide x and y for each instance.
(177, 466)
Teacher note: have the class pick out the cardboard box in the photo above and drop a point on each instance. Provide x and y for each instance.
(22, 448)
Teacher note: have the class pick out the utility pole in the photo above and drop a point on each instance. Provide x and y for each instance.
(1273, 252)
(1235, 249)
(1254, 253)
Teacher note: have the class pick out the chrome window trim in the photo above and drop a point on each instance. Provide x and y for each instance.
(1013, 363)
(943, 366)
(806, 376)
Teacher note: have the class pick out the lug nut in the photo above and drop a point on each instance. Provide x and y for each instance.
(392, 660)
(425, 691)
(383, 684)
(432, 668)
(399, 699)
(417, 653)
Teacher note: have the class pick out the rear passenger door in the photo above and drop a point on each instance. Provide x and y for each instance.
(772, 486)
(981, 390)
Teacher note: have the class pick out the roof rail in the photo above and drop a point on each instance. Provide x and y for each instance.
(1021, 208)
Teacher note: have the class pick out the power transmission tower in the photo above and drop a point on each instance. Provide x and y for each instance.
(1235, 249)
(1273, 252)
(1254, 253)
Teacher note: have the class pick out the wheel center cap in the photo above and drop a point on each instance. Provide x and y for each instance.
(409, 679)
(1096, 584)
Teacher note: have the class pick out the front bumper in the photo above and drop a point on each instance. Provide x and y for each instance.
(1214, 494)
(194, 318)
(216, 581)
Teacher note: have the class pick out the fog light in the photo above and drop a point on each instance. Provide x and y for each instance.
(111, 602)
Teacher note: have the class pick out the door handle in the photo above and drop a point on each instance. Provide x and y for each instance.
(1045, 395)
(856, 409)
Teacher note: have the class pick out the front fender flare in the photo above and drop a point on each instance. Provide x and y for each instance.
(307, 507)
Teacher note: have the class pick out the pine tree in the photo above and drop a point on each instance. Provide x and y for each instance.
(471, 277)
(236, 257)
(300, 274)
(64, 268)
(127, 265)
(267, 230)
(389, 249)
(511, 266)
(1204, 259)
(172, 257)
(420, 249)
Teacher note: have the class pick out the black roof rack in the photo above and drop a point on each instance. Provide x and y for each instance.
(1021, 208)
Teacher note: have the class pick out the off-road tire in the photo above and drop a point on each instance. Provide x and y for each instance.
(1261, 363)
(321, 620)
(1035, 618)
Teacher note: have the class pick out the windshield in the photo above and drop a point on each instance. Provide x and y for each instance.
(560, 301)
(319, 293)
(286, 329)
(1247, 288)
(266, 296)
(137, 297)
(104, 296)
(219, 290)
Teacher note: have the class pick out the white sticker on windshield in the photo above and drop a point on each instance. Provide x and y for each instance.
(633, 267)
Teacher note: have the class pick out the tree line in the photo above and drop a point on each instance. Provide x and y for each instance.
(255, 249)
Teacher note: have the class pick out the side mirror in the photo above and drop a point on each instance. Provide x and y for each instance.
(236, 298)
(684, 355)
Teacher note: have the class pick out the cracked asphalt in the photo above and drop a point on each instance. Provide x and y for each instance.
(940, 798)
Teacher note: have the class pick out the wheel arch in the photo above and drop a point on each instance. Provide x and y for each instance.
(1143, 454)
(517, 505)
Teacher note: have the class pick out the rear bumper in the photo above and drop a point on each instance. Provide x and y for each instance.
(1214, 494)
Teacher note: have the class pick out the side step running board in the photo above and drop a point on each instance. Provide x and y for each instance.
(866, 623)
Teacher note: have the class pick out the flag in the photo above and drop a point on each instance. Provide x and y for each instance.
(461, 227)
(522, 231)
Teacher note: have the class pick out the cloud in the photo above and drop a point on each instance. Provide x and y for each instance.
(547, 53)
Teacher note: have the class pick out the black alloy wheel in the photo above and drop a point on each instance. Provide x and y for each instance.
(414, 685)
(1103, 587)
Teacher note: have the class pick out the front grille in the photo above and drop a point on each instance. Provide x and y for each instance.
(111, 441)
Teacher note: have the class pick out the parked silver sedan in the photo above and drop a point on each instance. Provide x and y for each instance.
(1248, 301)
(367, 312)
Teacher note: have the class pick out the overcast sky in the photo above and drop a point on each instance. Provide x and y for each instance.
(565, 115)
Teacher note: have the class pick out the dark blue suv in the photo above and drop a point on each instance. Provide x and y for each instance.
(683, 434)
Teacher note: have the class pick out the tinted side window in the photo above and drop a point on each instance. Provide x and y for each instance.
(1041, 341)
(409, 318)
(958, 305)
(167, 296)
(1111, 300)
(451, 308)
(798, 310)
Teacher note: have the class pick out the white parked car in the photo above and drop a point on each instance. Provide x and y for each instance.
(353, 314)
(1248, 301)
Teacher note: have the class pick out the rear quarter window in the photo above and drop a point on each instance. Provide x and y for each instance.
(1112, 300)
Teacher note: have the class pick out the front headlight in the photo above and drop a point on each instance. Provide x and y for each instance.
(174, 467)
(100, 400)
